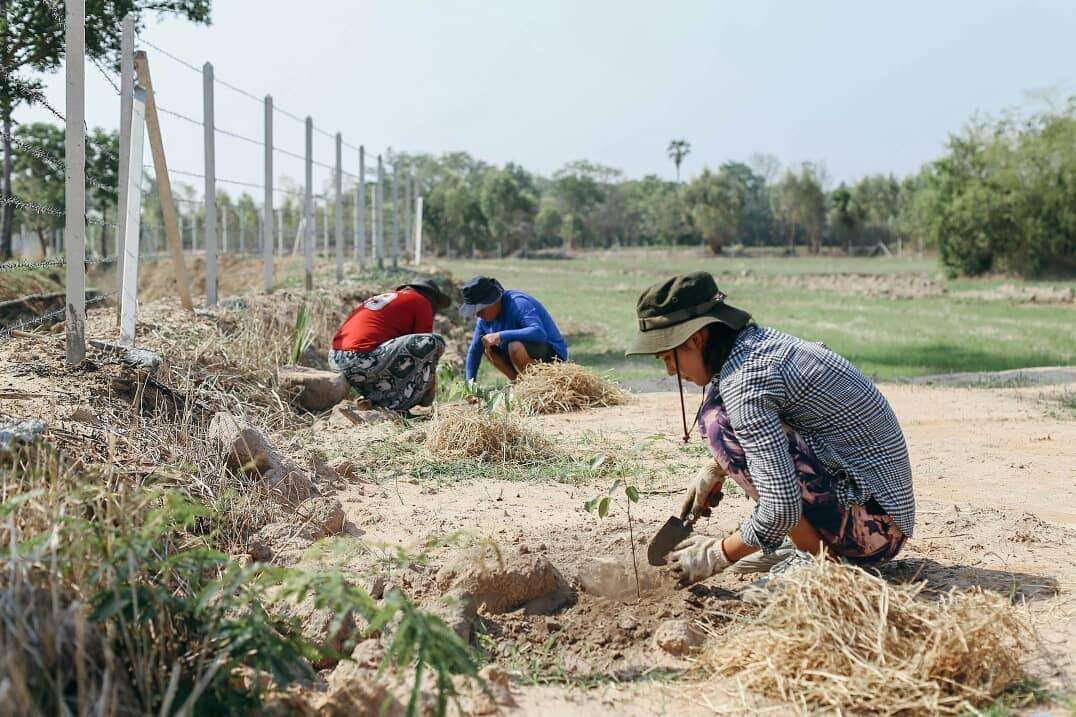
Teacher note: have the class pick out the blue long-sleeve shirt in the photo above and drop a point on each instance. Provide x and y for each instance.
(522, 318)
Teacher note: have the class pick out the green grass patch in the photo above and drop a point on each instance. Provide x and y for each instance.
(593, 300)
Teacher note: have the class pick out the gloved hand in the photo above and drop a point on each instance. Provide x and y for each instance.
(697, 558)
(704, 492)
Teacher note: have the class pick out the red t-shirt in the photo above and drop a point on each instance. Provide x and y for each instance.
(384, 317)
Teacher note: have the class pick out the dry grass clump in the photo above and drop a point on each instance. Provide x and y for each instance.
(560, 387)
(833, 637)
(460, 431)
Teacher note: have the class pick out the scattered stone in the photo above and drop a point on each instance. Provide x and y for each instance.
(281, 541)
(287, 482)
(374, 585)
(84, 413)
(369, 653)
(14, 433)
(346, 415)
(324, 515)
(317, 626)
(502, 582)
(356, 691)
(346, 468)
(312, 389)
(677, 637)
(496, 693)
(145, 360)
(245, 447)
(458, 608)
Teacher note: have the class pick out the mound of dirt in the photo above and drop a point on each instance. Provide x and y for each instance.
(501, 582)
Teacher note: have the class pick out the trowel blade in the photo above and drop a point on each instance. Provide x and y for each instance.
(673, 532)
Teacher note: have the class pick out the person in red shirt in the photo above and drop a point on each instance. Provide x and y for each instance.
(386, 347)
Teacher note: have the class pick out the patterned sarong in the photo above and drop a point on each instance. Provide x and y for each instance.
(396, 375)
(863, 533)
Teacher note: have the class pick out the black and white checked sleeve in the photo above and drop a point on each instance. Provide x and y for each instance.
(754, 401)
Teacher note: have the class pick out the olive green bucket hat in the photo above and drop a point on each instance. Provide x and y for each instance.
(670, 312)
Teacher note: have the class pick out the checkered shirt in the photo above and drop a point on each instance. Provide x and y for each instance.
(770, 379)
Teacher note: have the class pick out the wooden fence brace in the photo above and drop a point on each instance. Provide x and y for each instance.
(164, 185)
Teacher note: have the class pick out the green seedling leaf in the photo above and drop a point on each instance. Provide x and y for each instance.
(614, 486)
(590, 505)
(633, 493)
(603, 506)
(598, 462)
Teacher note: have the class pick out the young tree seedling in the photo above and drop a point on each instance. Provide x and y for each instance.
(601, 504)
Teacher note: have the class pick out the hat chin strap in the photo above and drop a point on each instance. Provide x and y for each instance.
(683, 409)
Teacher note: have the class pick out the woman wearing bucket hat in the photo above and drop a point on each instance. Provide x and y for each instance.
(806, 435)
(512, 329)
(386, 347)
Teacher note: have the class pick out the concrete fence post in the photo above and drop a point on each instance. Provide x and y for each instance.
(75, 179)
(308, 208)
(210, 187)
(409, 237)
(338, 229)
(379, 213)
(360, 211)
(395, 215)
(126, 89)
(418, 230)
(132, 223)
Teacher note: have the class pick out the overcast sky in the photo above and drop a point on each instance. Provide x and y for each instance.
(864, 86)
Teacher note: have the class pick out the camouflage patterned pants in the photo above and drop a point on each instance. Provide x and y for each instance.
(397, 374)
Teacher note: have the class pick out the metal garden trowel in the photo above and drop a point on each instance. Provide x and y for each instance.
(676, 530)
(671, 534)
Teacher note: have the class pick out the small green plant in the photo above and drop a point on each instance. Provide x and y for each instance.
(302, 336)
(451, 386)
(601, 505)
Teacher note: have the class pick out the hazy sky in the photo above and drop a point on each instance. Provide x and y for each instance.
(864, 86)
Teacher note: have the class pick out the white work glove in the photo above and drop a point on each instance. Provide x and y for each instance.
(704, 491)
(697, 558)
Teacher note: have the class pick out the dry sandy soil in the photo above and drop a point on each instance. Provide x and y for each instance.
(996, 487)
(995, 479)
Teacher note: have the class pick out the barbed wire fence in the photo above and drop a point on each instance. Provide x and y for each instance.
(227, 227)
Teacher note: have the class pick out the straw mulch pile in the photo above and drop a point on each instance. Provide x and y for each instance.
(459, 431)
(560, 387)
(835, 638)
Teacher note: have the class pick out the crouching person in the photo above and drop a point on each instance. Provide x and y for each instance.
(386, 347)
(512, 330)
(802, 431)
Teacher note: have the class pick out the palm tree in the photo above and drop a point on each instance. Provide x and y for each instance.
(677, 150)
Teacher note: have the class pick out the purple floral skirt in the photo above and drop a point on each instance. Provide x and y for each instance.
(863, 533)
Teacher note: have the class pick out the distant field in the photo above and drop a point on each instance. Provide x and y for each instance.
(891, 317)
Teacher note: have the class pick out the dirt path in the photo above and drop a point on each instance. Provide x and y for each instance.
(996, 488)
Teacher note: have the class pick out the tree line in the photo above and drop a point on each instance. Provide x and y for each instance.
(1002, 197)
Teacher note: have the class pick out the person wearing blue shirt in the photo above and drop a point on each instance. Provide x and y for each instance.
(512, 330)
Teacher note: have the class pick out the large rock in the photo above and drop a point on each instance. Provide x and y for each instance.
(15, 433)
(245, 447)
(247, 450)
(502, 582)
(678, 637)
(313, 389)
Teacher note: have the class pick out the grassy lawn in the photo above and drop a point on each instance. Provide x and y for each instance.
(593, 300)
